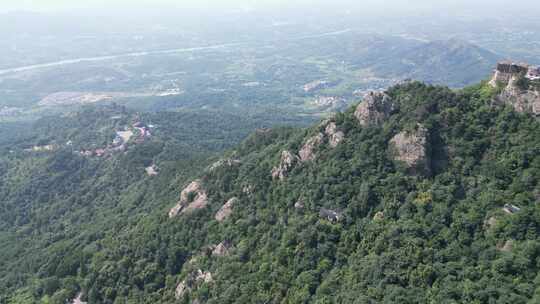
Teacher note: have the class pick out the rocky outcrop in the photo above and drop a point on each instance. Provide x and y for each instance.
(523, 101)
(490, 223)
(334, 135)
(205, 277)
(374, 109)
(181, 290)
(192, 281)
(193, 197)
(507, 246)
(248, 189)
(299, 205)
(222, 249)
(78, 299)
(379, 216)
(287, 162)
(307, 152)
(152, 170)
(411, 148)
(226, 210)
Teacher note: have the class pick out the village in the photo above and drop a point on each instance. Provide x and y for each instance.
(119, 143)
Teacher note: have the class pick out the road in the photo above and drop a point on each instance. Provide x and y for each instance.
(111, 57)
(146, 53)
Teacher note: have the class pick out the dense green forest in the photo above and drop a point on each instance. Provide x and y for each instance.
(58, 205)
(348, 222)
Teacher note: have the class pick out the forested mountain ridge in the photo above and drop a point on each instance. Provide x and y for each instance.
(419, 194)
(69, 181)
(429, 195)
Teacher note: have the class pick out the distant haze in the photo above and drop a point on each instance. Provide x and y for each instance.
(472, 6)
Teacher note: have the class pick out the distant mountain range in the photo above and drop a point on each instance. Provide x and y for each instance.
(453, 62)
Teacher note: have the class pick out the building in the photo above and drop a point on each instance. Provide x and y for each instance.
(506, 70)
(512, 67)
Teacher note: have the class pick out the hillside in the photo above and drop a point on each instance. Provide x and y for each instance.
(446, 62)
(67, 182)
(419, 194)
(426, 196)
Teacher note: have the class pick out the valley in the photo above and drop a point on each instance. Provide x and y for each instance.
(248, 77)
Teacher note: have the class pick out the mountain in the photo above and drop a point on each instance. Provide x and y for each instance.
(418, 194)
(453, 62)
(67, 181)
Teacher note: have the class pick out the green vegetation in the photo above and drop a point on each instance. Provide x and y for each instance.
(439, 236)
(58, 206)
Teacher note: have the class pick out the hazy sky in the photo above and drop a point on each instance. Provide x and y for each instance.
(55, 5)
(366, 8)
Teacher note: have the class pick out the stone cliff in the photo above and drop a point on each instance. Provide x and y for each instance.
(374, 109)
(192, 197)
(411, 148)
(519, 85)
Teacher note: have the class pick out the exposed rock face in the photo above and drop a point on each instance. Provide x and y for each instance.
(193, 197)
(411, 147)
(374, 109)
(288, 160)
(222, 249)
(299, 205)
(78, 299)
(205, 277)
(307, 153)
(523, 101)
(490, 223)
(192, 281)
(152, 170)
(226, 210)
(334, 135)
(181, 290)
(507, 246)
(379, 216)
(247, 189)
